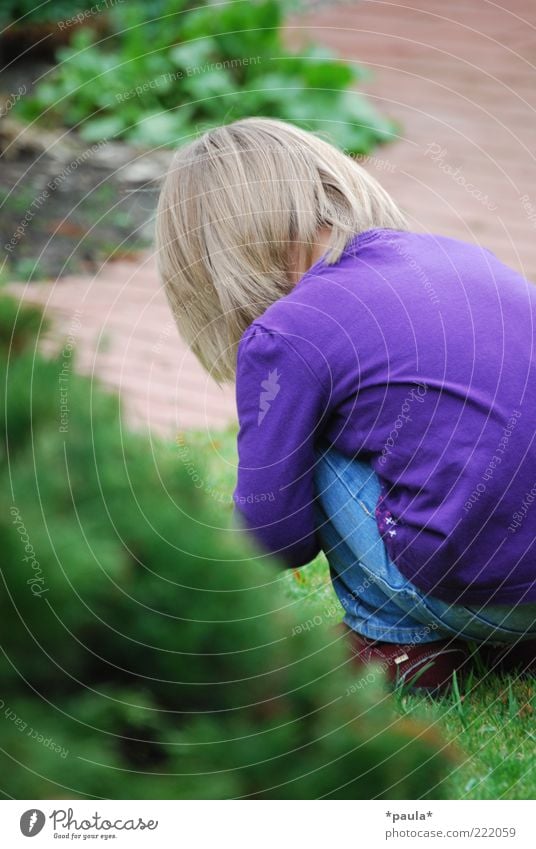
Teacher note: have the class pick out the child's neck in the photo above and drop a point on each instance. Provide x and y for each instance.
(299, 265)
(321, 244)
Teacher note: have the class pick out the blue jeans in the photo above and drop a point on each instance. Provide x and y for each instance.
(379, 602)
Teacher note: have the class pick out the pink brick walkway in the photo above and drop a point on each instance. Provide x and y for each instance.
(460, 79)
(125, 336)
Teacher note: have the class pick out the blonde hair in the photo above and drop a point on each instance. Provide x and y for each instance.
(233, 205)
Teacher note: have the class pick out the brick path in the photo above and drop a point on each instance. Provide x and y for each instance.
(459, 78)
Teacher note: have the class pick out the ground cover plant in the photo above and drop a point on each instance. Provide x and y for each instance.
(167, 69)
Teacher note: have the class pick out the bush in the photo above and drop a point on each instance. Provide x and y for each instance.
(158, 79)
(146, 653)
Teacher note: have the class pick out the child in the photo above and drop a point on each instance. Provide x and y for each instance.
(386, 392)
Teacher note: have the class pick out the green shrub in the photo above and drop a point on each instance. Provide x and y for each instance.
(158, 79)
(146, 653)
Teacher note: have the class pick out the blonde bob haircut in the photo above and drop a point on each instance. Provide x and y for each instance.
(234, 205)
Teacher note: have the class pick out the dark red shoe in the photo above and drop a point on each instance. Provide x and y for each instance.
(510, 659)
(428, 666)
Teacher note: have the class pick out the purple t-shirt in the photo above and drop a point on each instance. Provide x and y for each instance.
(416, 354)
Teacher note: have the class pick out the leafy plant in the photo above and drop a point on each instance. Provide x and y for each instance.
(158, 79)
(146, 653)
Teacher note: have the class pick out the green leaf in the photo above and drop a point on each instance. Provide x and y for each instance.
(98, 129)
(194, 54)
(160, 128)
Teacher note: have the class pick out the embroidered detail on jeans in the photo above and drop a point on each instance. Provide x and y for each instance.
(386, 523)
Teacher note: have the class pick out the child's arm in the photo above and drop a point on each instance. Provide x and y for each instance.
(281, 409)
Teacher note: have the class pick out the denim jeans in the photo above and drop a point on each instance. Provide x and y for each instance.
(379, 602)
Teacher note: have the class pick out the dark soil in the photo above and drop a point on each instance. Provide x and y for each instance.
(88, 218)
(63, 207)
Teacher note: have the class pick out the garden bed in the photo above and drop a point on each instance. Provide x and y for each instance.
(66, 206)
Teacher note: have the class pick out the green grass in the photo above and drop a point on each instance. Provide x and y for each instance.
(490, 720)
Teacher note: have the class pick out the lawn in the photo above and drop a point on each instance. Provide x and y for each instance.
(491, 721)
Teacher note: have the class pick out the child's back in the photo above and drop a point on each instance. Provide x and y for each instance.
(417, 353)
